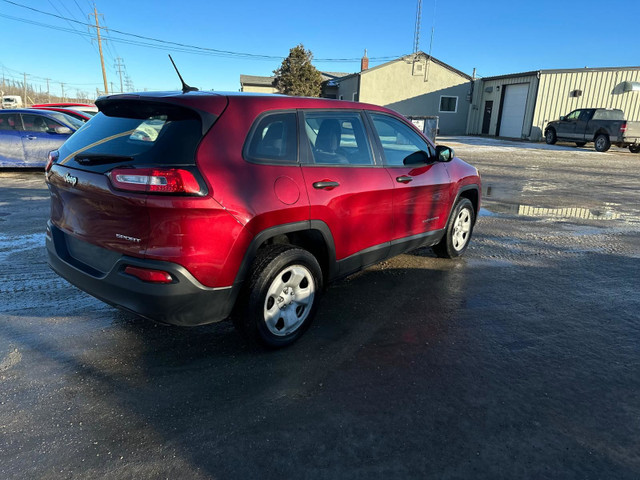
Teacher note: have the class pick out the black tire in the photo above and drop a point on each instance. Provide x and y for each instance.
(602, 142)
(455, 241)
(550, 136)
(580, 144)
(634, 148)
(276, 267)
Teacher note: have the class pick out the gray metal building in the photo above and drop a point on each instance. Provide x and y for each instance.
(520, 105)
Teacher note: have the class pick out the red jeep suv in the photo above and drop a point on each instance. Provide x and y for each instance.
(191, 208)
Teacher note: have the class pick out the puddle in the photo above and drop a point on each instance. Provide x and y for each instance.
(34, 198)
(603, 213)
(538, 187)
(494, 207)
(487, 213)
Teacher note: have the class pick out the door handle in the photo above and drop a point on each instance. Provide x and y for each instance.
(325, 185)
(31, 137)
(404, 179)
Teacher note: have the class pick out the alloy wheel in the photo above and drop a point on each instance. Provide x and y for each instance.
(461, 229)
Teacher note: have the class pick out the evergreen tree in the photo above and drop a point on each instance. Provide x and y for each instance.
(297, 76)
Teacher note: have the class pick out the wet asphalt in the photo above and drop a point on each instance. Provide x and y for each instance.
(519, 360)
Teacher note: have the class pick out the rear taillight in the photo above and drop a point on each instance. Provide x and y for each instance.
(155, 180)
(623, 128)
(148, 275)
(51, 159)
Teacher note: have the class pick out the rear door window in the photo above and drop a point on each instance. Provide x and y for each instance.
(337, 138)
(10, 121)
(584, 116)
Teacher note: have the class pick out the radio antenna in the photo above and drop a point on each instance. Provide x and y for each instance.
(185, 88)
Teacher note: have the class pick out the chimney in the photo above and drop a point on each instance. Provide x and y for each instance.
(364, 62)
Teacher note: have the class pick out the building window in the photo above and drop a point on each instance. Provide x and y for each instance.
(448, 104)
(354, 97)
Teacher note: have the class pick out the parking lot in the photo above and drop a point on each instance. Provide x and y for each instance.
(519, 360)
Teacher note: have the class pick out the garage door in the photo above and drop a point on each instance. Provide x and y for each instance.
(515, 100)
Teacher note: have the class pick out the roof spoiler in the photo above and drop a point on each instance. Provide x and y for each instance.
(140, 106)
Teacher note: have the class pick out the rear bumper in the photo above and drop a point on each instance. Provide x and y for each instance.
(185, 301)
(626, 141)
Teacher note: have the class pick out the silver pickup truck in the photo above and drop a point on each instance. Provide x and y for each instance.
(604, 127)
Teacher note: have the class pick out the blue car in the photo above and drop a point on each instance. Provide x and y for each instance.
(27, 135)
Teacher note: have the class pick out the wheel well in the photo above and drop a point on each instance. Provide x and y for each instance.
(600, 132)
(311, 240)
(472, 195)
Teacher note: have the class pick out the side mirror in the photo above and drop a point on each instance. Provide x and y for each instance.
(563, 118)
(417, 158)
(444, 154)
(63, 131)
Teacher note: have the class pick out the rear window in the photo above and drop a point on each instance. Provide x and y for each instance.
(67, 119)
(608, 115)
(135, 134)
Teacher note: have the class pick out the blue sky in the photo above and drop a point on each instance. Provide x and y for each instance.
(497, 37)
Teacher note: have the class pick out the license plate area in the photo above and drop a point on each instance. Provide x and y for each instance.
(97, 258)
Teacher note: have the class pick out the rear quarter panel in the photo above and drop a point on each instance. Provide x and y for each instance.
(248, 190)
(595, 127)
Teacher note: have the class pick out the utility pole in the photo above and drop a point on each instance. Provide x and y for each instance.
(24, 86)
(104, 73)
(128, 83)
(119, 65)
(48, 94)
(62, 87)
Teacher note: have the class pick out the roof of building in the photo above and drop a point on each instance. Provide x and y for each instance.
(256, 80)
(333, 75)
(268, 81)
(560, 70)
(408, 57)
(513, 75)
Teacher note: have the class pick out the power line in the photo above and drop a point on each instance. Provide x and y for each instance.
(65, 7)
(68, 22)
(42, 80)
(108, 36)
(211, 51)
(81, 11)
(74, 17)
